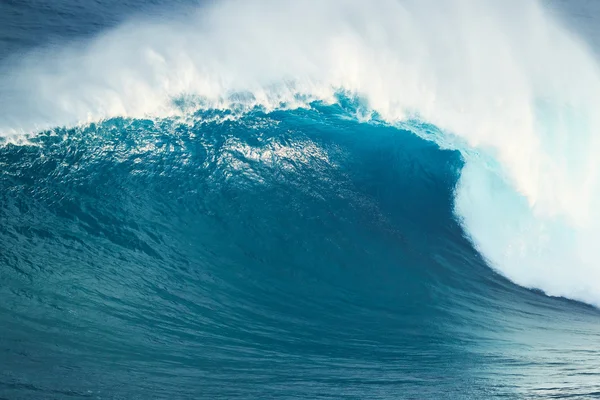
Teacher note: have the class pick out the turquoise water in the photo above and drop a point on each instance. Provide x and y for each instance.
(290, 253)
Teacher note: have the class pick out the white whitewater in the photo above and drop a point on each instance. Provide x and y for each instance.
(514, 91)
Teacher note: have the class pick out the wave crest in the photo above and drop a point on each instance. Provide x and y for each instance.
(506, 84)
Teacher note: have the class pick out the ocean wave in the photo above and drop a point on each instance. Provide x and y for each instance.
(503, 83)
(221, 257)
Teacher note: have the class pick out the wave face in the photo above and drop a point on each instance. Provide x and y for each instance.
(286, 254)
(303, 200)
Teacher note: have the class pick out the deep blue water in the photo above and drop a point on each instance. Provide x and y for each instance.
(283, 254)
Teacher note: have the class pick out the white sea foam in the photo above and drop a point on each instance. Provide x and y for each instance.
(518, 91)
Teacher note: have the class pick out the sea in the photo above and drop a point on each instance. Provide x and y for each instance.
(299, 199)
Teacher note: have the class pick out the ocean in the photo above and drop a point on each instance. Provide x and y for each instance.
(336, 199)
